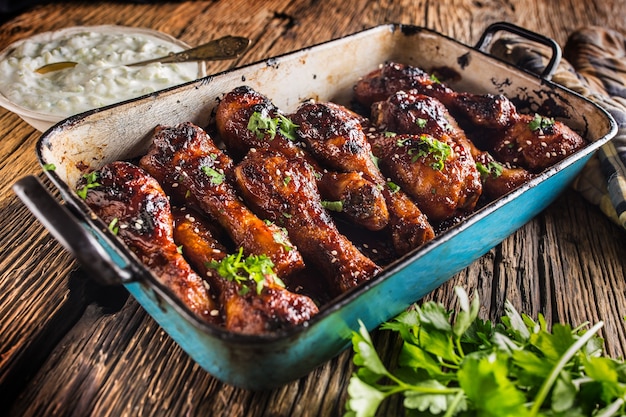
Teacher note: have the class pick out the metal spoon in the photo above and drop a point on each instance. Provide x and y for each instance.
(227, 47)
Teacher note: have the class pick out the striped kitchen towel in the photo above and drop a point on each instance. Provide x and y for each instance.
(594, 66)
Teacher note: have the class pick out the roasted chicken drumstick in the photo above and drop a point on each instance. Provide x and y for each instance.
(335, 136)
(133, 203)
(284, 190)
(528, 141)
(191, 167)
(246, 119)
(244, 307)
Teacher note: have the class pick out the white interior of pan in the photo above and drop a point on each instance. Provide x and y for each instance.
(325, 72)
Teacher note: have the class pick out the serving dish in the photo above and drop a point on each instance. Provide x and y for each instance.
(42, 120)
(325, 72)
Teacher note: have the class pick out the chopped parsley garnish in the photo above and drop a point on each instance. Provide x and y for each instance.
(390, 134)
(333, 205)
(421, 123)
(393, 187)
(92, 182)
(492, 169)
(114, 226)
(425, 146)
(456, 364)
(286, 180)
(254, 269)
(49, 167)
(216, 177)
(282, 238)
(539, 123)
(262, 125)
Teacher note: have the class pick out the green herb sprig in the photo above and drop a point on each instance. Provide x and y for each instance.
(91, 182)
(262, 125)
(252, 269)
(492, 169)
(427, 145)
(460, 365)
(540, 123)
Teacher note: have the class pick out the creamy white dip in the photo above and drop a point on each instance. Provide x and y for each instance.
(99, 79)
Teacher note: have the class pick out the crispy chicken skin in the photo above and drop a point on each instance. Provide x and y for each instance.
(536, 148)
(496, 125)
(444, 185)
(284, 190)
(246, 312)
(189, 165)
(362, 200)
(392, 77)
(488, 110)
(335, 136)
(136, 203)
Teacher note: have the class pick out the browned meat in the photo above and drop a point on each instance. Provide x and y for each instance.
(392, 77)
(536, 142)
(430, 158)
(244, 309)
(190, 166)
(284, 191)
(335, 136)
(488, 110)
(246, 119)
(361, 201)
(134, 203)
(499, 128)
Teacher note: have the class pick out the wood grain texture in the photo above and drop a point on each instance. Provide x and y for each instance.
(70, 347)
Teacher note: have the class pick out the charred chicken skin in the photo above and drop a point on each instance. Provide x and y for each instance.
(513, 138)
(284, 190)
(191, 167)
(431, 159)
(335, 136)
(126, 197)
(488, 110)
(536, 142)
(362, 201)
(243, 309)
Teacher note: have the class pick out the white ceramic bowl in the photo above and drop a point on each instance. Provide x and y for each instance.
(43, 120)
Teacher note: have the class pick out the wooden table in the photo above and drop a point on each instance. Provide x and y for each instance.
(71, 347)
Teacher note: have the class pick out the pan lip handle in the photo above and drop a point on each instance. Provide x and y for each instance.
(90, 247)
(488, 35)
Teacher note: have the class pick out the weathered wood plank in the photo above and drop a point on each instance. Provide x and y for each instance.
(73, 348)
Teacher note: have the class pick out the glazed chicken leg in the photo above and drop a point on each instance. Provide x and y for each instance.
(525, 141)
(362, 201)
(284, 190)
(335, 136)
(244, 310)
(186, 161)
(132, 202)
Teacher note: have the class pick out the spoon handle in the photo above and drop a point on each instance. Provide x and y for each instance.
(227, 47)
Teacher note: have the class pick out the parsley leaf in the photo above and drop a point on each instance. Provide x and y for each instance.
(91, 182)
(253, 269)
(215, 177)
(459, 365)
(426, 146)
(262, 125)
(539, 122)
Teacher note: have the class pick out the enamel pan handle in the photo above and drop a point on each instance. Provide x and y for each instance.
(492, 29)
(72, 233)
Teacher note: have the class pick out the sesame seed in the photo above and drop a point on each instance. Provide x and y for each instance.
(214, 313)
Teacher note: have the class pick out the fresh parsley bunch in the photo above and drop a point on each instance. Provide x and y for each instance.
(459, 365)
